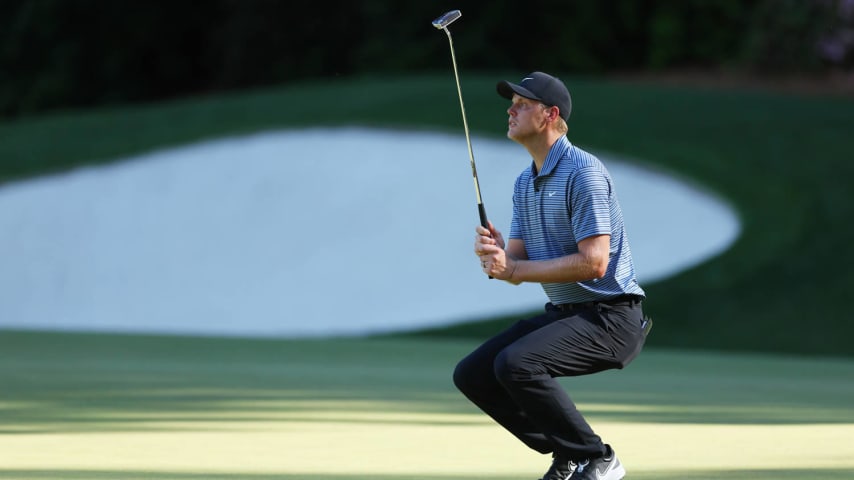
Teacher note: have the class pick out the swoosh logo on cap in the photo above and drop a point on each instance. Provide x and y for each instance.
(527, 78)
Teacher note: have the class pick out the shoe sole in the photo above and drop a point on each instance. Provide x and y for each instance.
(619, 471)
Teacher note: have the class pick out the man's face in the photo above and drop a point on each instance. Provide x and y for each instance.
(527, 118)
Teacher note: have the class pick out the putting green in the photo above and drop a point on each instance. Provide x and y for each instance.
(409, 445)
(104, 406)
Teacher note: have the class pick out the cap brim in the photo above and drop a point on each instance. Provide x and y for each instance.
(507, 89)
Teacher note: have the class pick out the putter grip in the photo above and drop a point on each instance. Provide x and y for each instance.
(481, 211)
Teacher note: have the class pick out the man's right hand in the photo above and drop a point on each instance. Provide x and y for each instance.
(492, 232)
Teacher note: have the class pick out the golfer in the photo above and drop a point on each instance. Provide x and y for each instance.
(567, 234)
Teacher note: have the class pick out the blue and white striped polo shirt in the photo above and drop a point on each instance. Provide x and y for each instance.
(572, 198)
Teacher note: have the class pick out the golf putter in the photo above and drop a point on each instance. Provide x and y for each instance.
(442, 24)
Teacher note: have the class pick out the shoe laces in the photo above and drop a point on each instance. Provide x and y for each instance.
(559, 464)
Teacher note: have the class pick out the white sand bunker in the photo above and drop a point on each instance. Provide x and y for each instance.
(300, 233)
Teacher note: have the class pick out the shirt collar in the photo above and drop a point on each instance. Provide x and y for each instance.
(558, 151)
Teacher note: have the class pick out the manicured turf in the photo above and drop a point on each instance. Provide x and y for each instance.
(134, 407)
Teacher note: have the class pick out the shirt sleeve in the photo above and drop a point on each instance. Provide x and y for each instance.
(589, 203)
(515, 225)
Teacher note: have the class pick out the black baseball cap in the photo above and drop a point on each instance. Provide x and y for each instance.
(541, 87)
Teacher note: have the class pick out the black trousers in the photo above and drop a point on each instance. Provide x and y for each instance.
(511, 377)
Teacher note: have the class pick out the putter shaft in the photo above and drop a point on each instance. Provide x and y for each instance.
(442, 24)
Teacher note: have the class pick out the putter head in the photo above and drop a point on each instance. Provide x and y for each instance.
(447, 19)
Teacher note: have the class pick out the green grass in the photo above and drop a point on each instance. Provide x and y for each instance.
(783, 160)
(82, 406)
(111, 406)
(781, 474)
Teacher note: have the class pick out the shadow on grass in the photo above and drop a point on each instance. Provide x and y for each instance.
(832, 474)
(85, 382)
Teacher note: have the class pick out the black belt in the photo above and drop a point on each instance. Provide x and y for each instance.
(621, 300)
